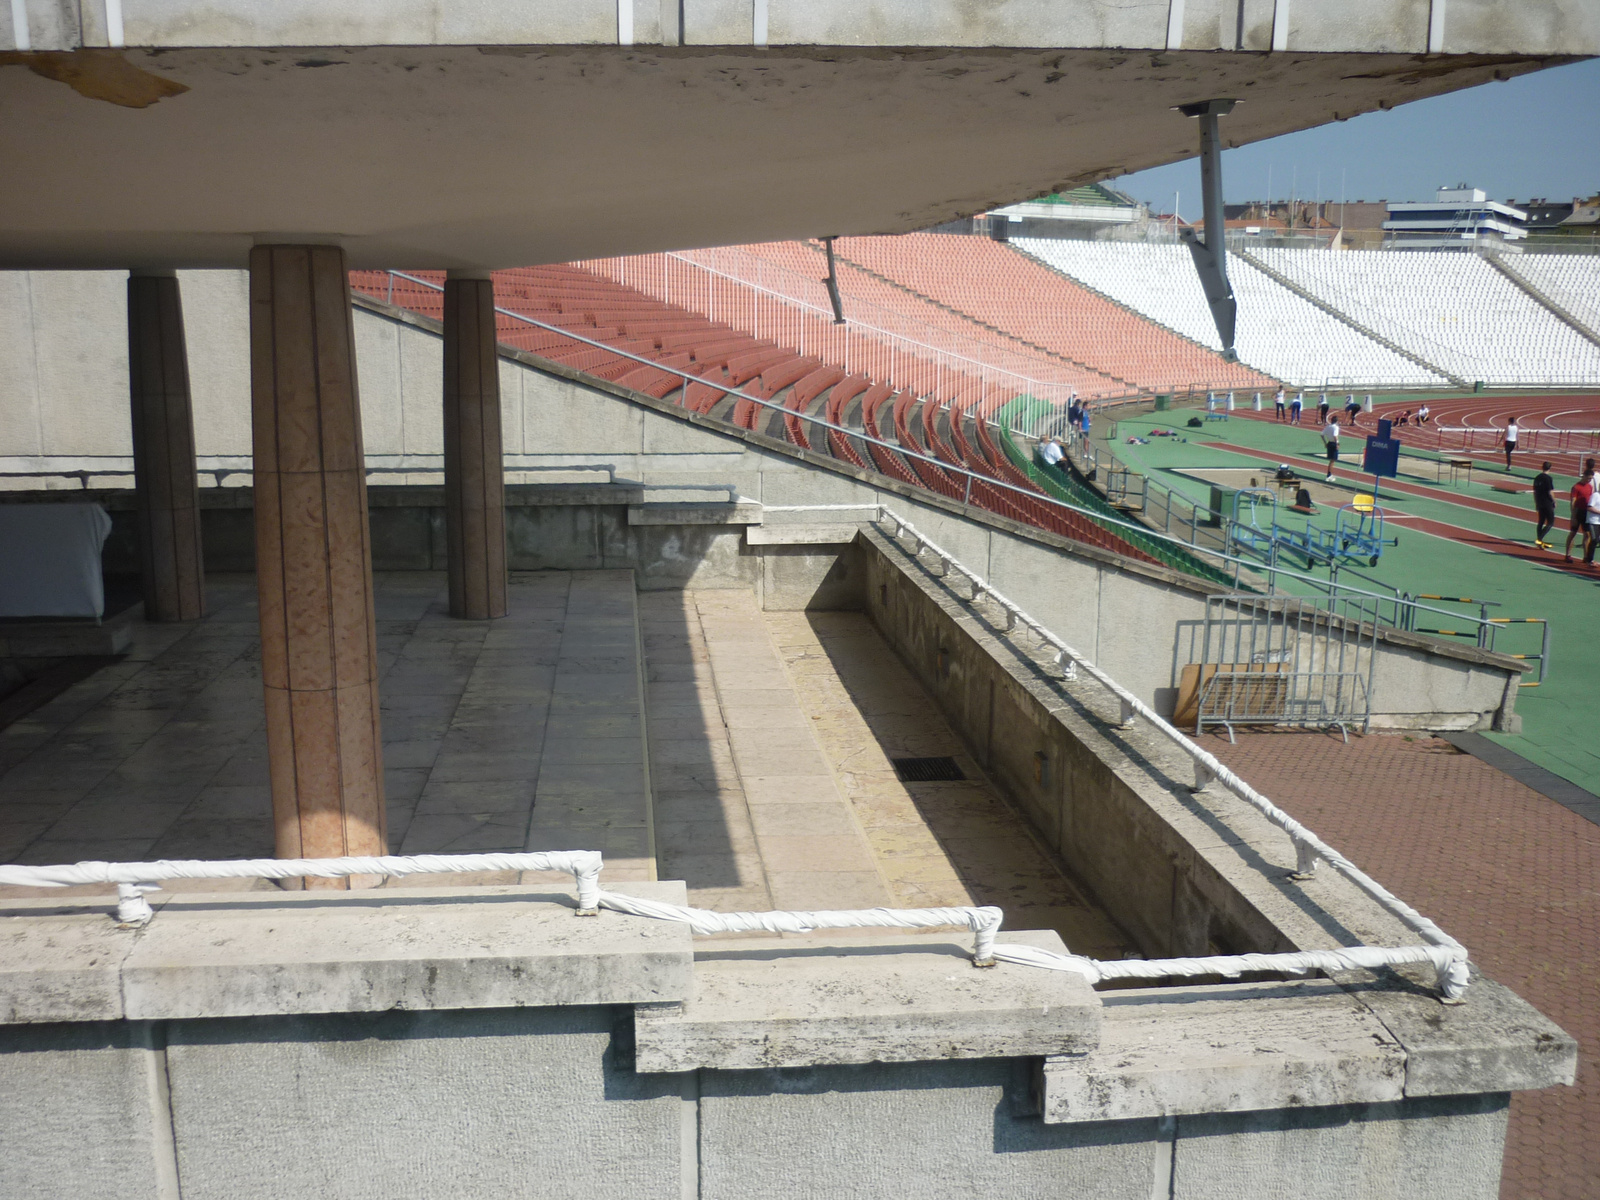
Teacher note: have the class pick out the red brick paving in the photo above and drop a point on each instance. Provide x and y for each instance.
(1514, 876)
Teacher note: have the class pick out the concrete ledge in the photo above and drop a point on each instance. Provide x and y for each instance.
(66, 638)
(61, 962)
(1495, 1042)
(273, 953)
(695, 513)
(1255, 1046)
(787, 1002)
(800, 535)
(1227, 1048)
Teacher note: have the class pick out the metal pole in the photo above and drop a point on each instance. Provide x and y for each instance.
(1210, 255)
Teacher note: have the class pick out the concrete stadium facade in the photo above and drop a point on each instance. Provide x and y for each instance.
(480, 1041)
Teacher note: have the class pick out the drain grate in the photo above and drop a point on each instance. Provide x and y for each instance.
(927, 770)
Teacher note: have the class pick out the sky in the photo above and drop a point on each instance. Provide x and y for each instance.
(1535, 135)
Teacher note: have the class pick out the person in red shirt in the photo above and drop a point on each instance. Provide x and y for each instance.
(1582, 498)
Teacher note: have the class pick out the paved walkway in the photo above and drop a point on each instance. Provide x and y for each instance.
(772, 736)
(1514, 876)
(763, 784)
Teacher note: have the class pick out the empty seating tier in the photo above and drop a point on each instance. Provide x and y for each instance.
(1011, 294)
(1449, 308)
(1283, 334)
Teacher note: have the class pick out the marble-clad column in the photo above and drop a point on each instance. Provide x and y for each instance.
(314, 559)
(474, 471)
(170, 559)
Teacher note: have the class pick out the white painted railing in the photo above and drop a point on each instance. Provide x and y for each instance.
(133, 880)
(1447, 956)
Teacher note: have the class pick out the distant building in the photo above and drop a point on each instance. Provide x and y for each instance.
(1083, 212)
(1575, 218)
(1458, 218)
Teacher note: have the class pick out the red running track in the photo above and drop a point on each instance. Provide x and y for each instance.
(1550, 427)
(1456, 533)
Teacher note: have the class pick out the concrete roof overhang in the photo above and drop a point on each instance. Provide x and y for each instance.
(499, 154)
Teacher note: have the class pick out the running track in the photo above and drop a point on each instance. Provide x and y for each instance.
(1542, 418)
(1455, 533)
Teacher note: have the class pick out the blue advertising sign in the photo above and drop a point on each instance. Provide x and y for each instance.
(1382, 456)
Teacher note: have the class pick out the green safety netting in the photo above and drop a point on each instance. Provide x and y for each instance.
(1063, 485)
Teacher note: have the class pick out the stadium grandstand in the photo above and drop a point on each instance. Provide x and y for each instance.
(1571, 281)
(951, 342)
(1451, 309)
(1280, 332)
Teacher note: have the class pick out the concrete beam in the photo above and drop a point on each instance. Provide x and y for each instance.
(702, 513)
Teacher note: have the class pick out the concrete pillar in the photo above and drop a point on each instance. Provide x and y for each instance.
(314, 560)
(474, 471)
(170, 558)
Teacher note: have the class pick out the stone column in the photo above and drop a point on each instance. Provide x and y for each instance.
(170, 560)
(474, 471)
(314, 560)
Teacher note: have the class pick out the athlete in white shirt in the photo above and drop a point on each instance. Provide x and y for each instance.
(1330, 439)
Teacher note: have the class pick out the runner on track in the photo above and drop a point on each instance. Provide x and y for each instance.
(1544, 503)
(1582, 495)
(1511, 441)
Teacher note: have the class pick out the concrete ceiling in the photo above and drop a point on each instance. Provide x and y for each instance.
(465, 156)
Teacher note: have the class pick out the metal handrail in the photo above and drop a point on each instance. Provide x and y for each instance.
(1447, 955)
(949, 468)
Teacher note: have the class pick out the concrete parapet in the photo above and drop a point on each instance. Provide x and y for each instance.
(762, 1003)
(514, 1104)
(269, 953)
(702, 513)
(1248, 1047)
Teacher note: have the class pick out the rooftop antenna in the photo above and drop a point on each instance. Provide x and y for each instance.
(1210, 255)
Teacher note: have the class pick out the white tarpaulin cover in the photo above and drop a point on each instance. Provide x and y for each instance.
(50, 560)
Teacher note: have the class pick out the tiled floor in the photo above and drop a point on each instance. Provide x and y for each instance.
(768, 758)
(163, 754)
(1514, 876)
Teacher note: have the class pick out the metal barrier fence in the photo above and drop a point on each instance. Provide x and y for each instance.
(1281, 660)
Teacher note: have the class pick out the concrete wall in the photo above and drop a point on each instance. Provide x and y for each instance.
(1100, 805)
(502, 1104)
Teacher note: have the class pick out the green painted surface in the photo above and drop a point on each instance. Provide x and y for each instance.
(1060, 483)
(1561, 719)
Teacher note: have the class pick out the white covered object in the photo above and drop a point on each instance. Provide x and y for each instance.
(50, 560)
